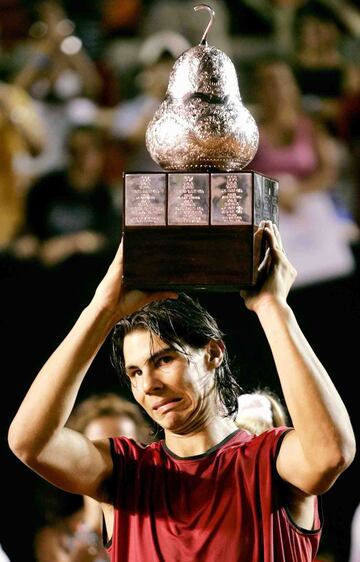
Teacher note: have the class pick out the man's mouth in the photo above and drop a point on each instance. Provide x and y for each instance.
(163, 406)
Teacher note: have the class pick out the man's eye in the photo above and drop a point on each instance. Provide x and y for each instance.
(132, 374)
(165, 360)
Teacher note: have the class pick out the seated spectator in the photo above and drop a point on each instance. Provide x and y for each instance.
(305, 159)
(71, 211)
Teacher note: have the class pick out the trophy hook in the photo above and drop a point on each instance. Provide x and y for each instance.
(212, 15)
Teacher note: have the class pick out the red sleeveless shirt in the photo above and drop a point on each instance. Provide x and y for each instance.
(222, 506)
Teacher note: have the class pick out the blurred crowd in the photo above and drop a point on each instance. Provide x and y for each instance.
(79, 85)
(80, 81)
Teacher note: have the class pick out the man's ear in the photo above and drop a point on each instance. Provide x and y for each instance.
(215, 353)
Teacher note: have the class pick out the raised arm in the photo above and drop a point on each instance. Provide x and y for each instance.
(37, 434)
(323, 444)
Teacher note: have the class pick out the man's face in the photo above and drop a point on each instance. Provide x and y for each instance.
(108, 426)
(176, 390)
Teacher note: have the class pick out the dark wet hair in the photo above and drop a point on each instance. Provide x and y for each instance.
(179, 322)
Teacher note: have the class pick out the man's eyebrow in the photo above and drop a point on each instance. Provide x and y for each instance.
(153, 357)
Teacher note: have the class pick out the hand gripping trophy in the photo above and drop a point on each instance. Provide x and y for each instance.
(194, 224)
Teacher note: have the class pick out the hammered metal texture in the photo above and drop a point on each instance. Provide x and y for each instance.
(202, 123)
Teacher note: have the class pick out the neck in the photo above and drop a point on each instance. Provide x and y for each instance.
(202, 439)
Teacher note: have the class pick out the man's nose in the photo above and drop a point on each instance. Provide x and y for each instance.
(150, 381)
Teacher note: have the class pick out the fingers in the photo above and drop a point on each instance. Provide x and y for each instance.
(277, 249)
(118, 259)
(265, 262)
(259, 232)
(278, 237)
(119, 253)
(274, 239)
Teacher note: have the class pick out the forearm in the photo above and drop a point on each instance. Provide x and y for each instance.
(51, 397)
(318, 414)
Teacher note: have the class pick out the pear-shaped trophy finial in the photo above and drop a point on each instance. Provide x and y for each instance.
(202, 124)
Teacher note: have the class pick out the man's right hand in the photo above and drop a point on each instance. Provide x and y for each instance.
(113, 298)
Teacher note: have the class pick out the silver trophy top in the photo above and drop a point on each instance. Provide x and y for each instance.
(202, 124)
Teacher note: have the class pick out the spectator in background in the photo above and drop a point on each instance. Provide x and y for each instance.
(281, 18)
(320, 67)
(61, 77)
(259, 411)
(57, 63)
(77, 537)
(128, 120)
(21, 131)
(121, 18)
(305, 159)
(72, 211)
(349, 130)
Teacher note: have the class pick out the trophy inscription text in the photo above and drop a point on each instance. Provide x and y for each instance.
(145, 199)
(231, 199)
(188, 200)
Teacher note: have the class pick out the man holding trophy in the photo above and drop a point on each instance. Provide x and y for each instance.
(208, 491)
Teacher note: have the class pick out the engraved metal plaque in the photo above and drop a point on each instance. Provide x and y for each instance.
(258, 196)
(190, 231)
(188, 199)
(231, 198)
(274, 193)
(145, 199)
(270, 200)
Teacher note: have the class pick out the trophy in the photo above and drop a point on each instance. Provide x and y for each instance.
(193, 225)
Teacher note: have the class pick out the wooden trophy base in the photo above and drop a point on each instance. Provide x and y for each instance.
(188, 232)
